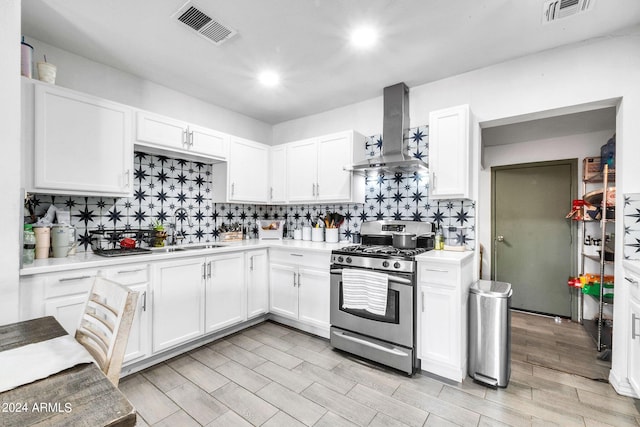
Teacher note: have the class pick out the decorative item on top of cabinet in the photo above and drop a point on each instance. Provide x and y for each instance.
(244, 178)
(449, 158)
(75, 144)
(164, 135)
(315, 169)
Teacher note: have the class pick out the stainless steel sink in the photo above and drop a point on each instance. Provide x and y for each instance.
(207, 246)
(167, 249)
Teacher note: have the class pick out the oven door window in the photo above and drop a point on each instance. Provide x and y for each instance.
(392, 314)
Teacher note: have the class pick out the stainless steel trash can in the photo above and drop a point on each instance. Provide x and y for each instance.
(490, 332)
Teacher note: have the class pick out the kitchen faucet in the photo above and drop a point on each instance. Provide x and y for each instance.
(177, 237)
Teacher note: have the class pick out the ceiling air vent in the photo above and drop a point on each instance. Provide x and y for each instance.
(553, 10)
(203, 24)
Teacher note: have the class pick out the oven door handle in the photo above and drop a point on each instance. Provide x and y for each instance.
(391, 277)
(393, 350)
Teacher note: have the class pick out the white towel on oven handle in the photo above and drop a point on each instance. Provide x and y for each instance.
(365, 290)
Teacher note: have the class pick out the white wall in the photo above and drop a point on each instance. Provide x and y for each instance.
(365, 117)
(9, 172)
(85, 75)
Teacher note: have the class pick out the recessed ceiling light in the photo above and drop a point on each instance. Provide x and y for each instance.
(269, 78)
(364, 37)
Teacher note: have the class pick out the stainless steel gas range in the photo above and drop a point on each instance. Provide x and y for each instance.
(385, 331)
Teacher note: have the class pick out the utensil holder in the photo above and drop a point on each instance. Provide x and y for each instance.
(306, 233)
(332, 235)
(317, 234)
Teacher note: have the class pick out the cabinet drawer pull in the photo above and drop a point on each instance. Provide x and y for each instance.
(634, 318)
(317, 189)
(144, 301)
(299, 283)
(204, 270)
(251, 263)
(70, 279)
(630, 280)
(209, 270)
(130, 271)
(313, 190)
(422, 301)
(233, 188)
(296, 254)
(184, 137)
(271, 193)
(435, 270)
(294, 279)
(191, 138)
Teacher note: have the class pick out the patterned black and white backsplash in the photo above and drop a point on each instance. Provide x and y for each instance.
(163, 184)
(631, 226)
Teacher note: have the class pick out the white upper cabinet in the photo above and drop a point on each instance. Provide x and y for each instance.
(302, 170)
(449, 158)
(278, 174)
(208, 142)
(334, 153)
(164, 135)
(245, 177)
(315, 169)
(75, 143)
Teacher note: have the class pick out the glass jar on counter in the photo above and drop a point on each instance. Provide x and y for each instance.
(28, 245)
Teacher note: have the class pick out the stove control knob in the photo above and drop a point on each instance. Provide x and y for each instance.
(385, 264)
(340, 259)
(396, 265)
(348, 260)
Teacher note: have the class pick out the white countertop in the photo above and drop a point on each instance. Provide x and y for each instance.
(90, 260)
(453, 257)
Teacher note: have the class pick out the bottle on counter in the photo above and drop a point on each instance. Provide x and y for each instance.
(29, 245)
(439, 243)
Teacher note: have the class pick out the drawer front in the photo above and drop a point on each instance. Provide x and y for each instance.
(127, 274)
(437, 273)
(306, 258)
(69, 283)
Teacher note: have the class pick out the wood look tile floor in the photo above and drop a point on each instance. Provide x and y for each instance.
(272, 375)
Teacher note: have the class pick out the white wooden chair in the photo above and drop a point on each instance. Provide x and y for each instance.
(105, 324)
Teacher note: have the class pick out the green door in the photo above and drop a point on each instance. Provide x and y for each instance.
(533, 242)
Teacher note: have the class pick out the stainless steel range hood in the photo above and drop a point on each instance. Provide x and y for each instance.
(394, 157)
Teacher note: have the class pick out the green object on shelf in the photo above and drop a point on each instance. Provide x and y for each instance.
(593, 289)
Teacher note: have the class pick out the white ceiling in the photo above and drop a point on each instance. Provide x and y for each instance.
(306, 40)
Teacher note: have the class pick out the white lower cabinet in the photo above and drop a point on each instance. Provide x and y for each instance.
(136, 278)
(65, 296)
(313, 296)
(299, 289)
(178, 302)
(225, 291)
(443, 288)
(634, 345)
(284, 292)
(257, 266)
